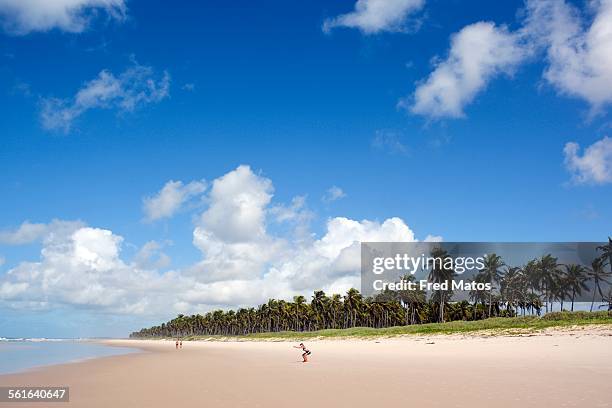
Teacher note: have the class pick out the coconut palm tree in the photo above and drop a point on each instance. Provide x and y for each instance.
(318, 304)
(559, 289)
(548, 274)
(607, 299)
(335, 306)
(352, 306)
(411, 300)
(440, 272)
(518, 287)
(575, 280)
(598, 275)
(492, 273)
(513, 287)
(479, 298)
(607, 252)
(533, 303)
(298, 307)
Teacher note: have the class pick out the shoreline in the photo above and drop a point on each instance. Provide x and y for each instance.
(149, 345)
(550, 369)
(25, 356)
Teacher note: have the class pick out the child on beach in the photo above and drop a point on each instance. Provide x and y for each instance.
(305, 350)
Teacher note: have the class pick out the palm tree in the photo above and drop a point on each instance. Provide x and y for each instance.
(440, 273)
(575, 280)
(560, 290)
(597, 274)
(533, 303)
(318, 304)
(607, 299)
(520, 287)
(273, 314)
(491, 273)
(478, 297)
(411, 300)
(548, 274)
(298, 302)
(607, 251)
(513, 287)
(335, 306)
(352, 305)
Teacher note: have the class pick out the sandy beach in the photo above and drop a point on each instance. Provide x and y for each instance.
(569, 368)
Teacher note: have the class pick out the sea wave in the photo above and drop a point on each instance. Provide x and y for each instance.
(32, 339)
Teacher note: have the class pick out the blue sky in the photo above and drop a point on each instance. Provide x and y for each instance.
(191, 92)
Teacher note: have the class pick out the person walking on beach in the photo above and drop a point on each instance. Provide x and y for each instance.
(176, 344)
(305, 353)
(181, 343)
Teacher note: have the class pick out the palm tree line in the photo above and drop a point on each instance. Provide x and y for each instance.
(540, 284)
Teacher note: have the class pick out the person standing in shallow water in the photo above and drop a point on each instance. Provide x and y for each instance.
(305, 353)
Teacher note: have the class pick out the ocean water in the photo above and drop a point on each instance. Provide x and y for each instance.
(23, 354)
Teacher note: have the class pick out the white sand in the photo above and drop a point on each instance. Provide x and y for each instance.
(553, 369)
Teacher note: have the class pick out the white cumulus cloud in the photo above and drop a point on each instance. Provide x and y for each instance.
(478, 53)
(19, 17)
(244, 261)
(595, 164)
(373, 16)
(29, 232)
(237, 206)
(576, 46)
(172, 196)
(232, 232)
(136, 86)
(82, 267)
(151, 256)
(286, 268)
(579, 54)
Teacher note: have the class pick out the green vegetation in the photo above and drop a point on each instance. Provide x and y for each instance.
(524, 291)
(497, 325)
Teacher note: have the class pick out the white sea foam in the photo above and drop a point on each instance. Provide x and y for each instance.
(33, 339)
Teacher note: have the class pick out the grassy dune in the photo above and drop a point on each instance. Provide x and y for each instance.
(493, 326)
